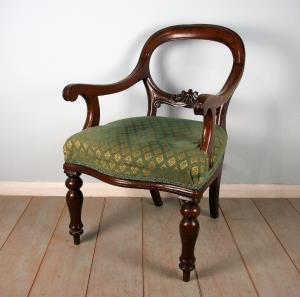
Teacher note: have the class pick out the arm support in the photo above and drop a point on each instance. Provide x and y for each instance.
(207, 106)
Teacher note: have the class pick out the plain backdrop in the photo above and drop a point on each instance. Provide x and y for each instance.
(45, 45)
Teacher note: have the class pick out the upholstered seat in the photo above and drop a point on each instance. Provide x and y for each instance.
(147, 148)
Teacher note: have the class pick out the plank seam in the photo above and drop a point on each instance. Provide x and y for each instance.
(198, 281)
(12, 229)
(46, 250)
(96, 241)
(276, 236)
(240, 253)
(294, 206)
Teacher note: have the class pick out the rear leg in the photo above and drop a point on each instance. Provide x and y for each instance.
(214, 191)
(156, 197)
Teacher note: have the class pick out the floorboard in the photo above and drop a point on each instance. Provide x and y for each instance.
(284, 220)
(66, 267)
(117, 265)
(24, 250)
(11, 208)
(270, 267)
(221, 271)
(131, 248)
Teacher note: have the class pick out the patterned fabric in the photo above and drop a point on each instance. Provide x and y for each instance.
(149, 149)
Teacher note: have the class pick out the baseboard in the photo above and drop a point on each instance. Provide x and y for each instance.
(105, 190)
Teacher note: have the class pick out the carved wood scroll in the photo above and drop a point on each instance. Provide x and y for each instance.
(189, 98)
(156, 96)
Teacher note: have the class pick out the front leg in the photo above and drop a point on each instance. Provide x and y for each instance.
(74, 199)
(189, 230)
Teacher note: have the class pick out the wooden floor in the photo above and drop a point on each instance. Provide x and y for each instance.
(131, 248)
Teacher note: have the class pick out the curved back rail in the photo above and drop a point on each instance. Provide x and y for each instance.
(188, 99)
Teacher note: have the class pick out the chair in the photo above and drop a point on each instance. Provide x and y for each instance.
(156, 153)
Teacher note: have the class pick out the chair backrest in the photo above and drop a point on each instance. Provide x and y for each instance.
(156, 96)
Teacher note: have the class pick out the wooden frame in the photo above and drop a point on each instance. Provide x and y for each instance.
(212, 107)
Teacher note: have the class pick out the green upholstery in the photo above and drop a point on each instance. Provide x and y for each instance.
(157, 149)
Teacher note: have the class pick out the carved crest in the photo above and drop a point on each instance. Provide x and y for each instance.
(189, 97)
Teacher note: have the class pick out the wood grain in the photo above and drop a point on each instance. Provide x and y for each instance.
(11, 208)
(66, 265)
(23, 252)
(269, 265)
(220, 268)
(117, 265)
(161, 247)
(285, 223)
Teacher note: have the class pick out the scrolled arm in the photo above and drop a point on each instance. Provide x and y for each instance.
(91, 92)
(72, 91)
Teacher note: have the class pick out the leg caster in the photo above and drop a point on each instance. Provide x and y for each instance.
(214, 191)
(156, 197)
(74, 199)
(189, 230)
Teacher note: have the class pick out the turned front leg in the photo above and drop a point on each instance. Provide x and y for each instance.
(74, 199)
(189, 230)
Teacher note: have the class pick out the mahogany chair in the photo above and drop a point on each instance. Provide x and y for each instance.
(157, 153)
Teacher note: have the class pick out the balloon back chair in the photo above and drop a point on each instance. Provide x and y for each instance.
(156, 153)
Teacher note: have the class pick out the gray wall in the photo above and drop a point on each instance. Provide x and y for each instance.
(48, 44)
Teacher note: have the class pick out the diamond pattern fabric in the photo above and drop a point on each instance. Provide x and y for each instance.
(156, 149)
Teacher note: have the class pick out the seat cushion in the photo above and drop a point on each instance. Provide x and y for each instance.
(156, 149)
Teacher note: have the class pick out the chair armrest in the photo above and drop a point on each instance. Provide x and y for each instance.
(205, 102)
(72, 91)
(207, 105)
(91, 92)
